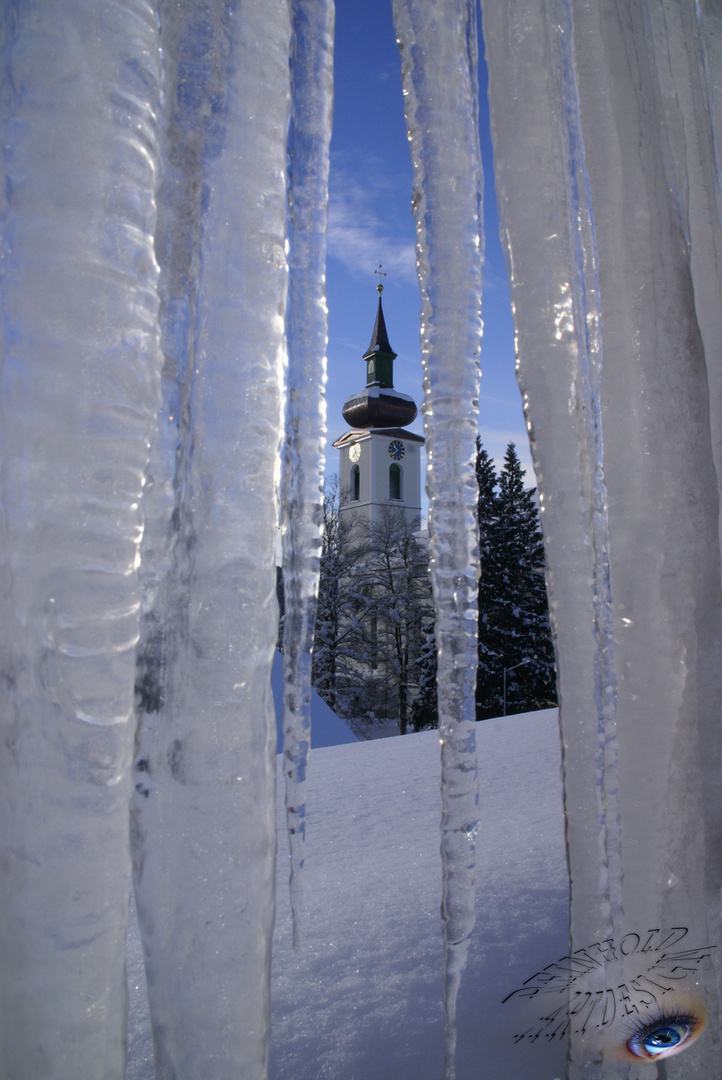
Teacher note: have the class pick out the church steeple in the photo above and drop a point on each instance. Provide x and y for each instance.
(380, 356)
(379, 405)
(379, 460)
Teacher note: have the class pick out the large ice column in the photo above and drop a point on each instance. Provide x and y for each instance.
(78, 398)
(688, 66)
(307, 331)
(439, 61)
(604, 135)
(203, 808)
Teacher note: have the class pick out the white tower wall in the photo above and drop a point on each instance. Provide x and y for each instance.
(374, 460)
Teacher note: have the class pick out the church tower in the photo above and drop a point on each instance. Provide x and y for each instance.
(380, 462)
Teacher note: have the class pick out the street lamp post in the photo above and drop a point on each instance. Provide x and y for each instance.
(507, 669)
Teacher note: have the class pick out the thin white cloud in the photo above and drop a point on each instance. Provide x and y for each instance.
(357, 236)
(492, 280)
(360, 237)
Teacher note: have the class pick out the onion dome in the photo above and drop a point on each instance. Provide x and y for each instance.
(379, 405)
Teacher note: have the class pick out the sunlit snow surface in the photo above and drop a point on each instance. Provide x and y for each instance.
(362, 999)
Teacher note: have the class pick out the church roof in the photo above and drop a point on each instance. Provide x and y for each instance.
(377, 407)
(379, 338)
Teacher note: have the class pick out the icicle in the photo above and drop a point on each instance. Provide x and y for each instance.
(597, 912)
(307, 330)
(204, 770)
(439, 62)
(78, 396)
(690, 76)
(610, 112)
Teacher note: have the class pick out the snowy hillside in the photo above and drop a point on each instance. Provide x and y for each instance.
(362, 1000)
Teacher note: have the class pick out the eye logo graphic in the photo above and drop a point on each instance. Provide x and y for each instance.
(666, 1032)
(650, 1016)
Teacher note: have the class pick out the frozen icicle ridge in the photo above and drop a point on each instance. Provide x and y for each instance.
(307, 334)
(203, 805)
(78, 401)
(438, 48)
(613, 110)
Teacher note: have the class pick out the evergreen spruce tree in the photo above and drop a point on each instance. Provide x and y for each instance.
(425, 710)
(514, 630)
(490, 656)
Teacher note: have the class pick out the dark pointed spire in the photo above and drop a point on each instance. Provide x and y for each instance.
(379, 338)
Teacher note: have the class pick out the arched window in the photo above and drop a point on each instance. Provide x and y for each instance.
(394, 481)
(355, 484)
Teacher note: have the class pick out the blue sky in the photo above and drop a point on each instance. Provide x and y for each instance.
(370, 223)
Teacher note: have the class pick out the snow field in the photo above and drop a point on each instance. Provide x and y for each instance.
(362, 999)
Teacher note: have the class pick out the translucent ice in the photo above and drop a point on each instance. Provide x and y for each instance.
(78, 400)
(607, 136)
(312, 96)
(605, 148)
(204, 768)
(439, 62)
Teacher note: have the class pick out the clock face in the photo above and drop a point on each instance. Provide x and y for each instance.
(396, 450)
(355, 452)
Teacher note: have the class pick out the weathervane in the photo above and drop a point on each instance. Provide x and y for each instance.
(381, 273)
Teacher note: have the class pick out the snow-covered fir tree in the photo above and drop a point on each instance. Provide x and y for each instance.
(375, 648)
(425, 709)
(514, 629)
(488, 513)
